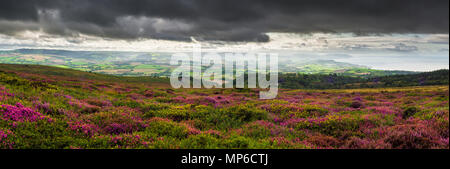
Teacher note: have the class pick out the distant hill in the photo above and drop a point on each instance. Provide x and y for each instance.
(341, 68)
(335, 81)
(71, 74)
(105, 62)
(286, 80)
(157, 63)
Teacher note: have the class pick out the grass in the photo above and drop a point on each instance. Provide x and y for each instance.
(56, 108)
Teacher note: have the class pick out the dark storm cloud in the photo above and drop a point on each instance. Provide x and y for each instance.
(228, 20)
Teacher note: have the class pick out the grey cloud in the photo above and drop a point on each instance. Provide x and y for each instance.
(338, 56)
(440, 39)
(401, 47)
(12, 27)
(443, 50)
(356, 47)
(227, 20)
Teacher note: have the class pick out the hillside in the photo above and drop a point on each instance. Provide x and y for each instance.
(70, 74)
(115, 63)
(335, 81)
(157, 63)
(326, 67)
(286, 80)
(47, 108)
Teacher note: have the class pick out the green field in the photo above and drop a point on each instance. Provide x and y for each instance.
(45, 107)
(146, 64)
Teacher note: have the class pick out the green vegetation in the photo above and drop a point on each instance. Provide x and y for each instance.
(146, 64)
(334, 81)
(55, 108)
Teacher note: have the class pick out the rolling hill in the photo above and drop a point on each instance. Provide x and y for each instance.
(157, 63)
(45, 107)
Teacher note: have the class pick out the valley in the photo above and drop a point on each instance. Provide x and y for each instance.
(157, 64)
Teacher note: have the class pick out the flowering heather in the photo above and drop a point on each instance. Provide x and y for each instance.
(4, 93)
(384, 110)
(5, 141)
(84, 128)
(204, 100)
(84, 107)
(40, 111)
(63, 95)
(20, 113)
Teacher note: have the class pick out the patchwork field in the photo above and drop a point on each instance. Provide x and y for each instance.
(53, 108)
(157, 63)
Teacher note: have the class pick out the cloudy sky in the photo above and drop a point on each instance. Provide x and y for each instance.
(364, 31)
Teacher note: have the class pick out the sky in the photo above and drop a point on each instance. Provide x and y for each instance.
(383, 34)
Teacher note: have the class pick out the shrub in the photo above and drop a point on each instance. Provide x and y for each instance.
(258, 129)
(247, 113)
(441, 124)
(280, 107)
(83, 107)
(334, 125)
(158, 93)
(235, 116)
(165, 143)
(309, 111)
(163, 99)
(314, 109)
(324, 141)
(127, 141)
(238, 142)
(47, 108)
(278, 142)
(20, 113)
(44, 135)
(414, 136)
(154, 107)
(201, 141)
(176, 113)
(127, 102)
(201, 112)
(356, 104)
(409, 112)
(163, 127)
(118, 128)
(4, 93)
(99, 102)
(84, 128)
(6, 141)
(359, 143)
(117, 122)
(264, 129)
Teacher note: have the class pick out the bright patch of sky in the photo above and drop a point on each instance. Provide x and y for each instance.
(413, 52)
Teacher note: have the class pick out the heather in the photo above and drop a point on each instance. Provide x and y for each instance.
(78, 110)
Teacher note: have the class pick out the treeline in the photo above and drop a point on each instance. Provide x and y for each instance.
(334, 81)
